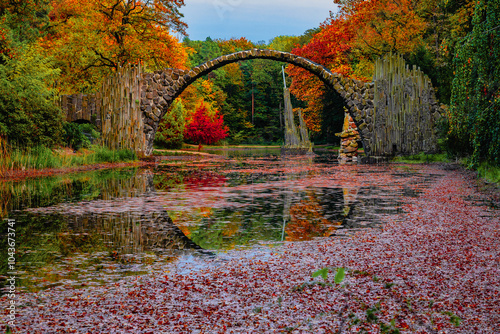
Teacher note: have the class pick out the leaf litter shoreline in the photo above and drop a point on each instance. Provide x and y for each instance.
(432, 269)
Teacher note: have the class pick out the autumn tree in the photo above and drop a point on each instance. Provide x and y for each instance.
(223, 89)
(28, 114)
(348, 42)
(383, 25)
(329, 47)
(284, 43)
(92, 38)
(204, 128)
(425, 32)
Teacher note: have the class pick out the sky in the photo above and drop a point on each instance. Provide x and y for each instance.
(257, 20)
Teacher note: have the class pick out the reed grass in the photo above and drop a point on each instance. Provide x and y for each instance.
(40, 157)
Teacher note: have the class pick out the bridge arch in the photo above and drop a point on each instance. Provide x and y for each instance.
(161, 88)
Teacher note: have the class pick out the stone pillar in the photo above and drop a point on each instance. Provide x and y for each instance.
(349, 137)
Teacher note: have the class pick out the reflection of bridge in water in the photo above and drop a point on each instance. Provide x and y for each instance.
(336, 211)
(129, 215)
(130, 233)
(114, 223)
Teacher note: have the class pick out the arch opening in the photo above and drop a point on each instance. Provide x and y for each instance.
(163, 87)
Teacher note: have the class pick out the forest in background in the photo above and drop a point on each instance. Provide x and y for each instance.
(48, 48)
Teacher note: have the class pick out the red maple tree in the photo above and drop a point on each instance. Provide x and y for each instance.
(203, 129)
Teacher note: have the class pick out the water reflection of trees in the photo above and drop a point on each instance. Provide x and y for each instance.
(44, 237)
(119, 214)
(126, 208)
(62, 226)
(309, 219)
(102, 184)
(316, 211)
(133, 232)
(326, 212)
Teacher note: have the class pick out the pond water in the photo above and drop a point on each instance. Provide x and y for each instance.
(247, 152)
(96, 227)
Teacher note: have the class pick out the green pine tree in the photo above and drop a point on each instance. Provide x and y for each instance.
(170, 133)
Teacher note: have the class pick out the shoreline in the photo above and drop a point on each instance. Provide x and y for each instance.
(19, 175)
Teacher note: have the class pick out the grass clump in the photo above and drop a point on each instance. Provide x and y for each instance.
(40, 157)
(171, 153)
(103, 154)
(489, 172)
(421, 158)
(36, 157)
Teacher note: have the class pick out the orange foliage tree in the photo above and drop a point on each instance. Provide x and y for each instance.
(307, 221)
(234, 44)
(91, 38)
(381, 26)
(329, 47)
(349, 41)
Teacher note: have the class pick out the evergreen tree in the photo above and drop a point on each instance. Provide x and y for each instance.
(170, 133)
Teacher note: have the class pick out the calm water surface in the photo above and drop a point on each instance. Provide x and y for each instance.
(96, 227)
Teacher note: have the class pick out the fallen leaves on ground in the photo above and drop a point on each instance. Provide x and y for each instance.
(433, 269)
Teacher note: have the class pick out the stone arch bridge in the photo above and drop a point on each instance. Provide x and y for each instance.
(394, 114)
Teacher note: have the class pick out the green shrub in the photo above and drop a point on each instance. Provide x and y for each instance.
(90, 131)
(73, 137)
(28, 114)
(474, 104)
(126, 155)
(77, 136)
(449, 142)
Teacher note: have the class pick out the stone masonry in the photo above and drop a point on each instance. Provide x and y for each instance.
(158, 90)
(349, 137)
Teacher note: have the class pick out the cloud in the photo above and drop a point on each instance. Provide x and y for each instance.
(258, 20)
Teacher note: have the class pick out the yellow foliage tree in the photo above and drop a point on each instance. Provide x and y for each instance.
(91, 38)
